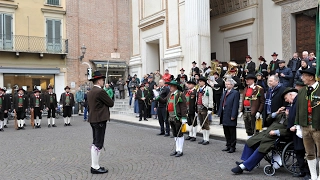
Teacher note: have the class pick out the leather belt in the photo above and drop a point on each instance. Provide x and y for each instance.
(247, 109)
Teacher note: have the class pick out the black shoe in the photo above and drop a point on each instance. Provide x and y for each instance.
(98, 171)
(146, 119)
(179, 154)
(22, 128)
(166, 135)
(65, 124)
(39, 126)
(5, 126)
(24, 125)
(69, 124)
(200, 142)
(188, 138)
(300, 174)
(193, 139)
(53, 125)
(49, 126)
(161, 134)
(173, 153)
(205, 143)
(140, 119)
(1, 129)
(232, 150)
(238, 163)
(226, 149)
(237, 170)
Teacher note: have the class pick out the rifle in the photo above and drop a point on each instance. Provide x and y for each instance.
(15, 120)
(32, 117)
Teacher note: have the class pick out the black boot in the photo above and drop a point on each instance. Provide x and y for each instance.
(98, 171)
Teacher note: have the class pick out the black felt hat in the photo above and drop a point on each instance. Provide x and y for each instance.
(97, 75)
(288, 90)
(311, 71)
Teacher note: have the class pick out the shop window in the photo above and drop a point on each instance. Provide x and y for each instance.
(28, 81)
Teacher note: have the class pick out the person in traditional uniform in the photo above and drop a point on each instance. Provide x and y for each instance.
(20, 107)
(183, 83)
(149, 98)
(181, 74)
(3, 108)
(98, 104)
(249, 67)
(263, 67)
(177, 114)
(308, 118)
(274, 64)
(142, 96)
(261, 81)
(67, 102)
(194, 70)
(36, 104)
(204, 108)
(228, 113)
(217, 91)
(204, 68)
(252, 104)
(259, 145)
(7, 99)
(191, 97)
(51, 106)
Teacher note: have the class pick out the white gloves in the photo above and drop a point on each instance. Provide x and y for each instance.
(257, 115)
(184, 120)
(196, 114)
(240, 115)
(299, 131)
(209, 112)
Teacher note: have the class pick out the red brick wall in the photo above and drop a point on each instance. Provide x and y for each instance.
(92, 23)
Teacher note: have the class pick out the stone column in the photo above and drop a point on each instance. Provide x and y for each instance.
(197, 32)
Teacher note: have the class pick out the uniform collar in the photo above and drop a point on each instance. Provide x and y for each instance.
(97, 86)
(315, 85)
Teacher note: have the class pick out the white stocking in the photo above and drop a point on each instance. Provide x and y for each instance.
(95, 153)
(313, 168)
(53, 120)
(1, 124)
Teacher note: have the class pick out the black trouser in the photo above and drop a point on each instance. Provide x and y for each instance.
(1, 116)
(37, 112)
(191, 119)
(98, 132)
(67, 111)
(21, 113)
(230, 133)
(216, 98)
(176, 127)
(162, 116)
(303, 165)
(148, 111)
(5, 115)
(142, 108)
(51, 111)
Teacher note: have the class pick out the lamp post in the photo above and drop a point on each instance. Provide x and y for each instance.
(83, 51)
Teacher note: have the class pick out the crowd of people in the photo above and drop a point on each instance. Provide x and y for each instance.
(269, 92)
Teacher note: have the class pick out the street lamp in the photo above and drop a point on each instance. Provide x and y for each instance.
(83, 51)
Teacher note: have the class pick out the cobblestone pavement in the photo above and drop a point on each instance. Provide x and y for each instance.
(132, 152)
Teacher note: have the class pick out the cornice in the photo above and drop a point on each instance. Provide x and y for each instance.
(11, 6)
(237, 24)
(55, 11)
(152, 21)
(283, 2)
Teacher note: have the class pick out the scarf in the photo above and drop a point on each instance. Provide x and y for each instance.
(269, 97)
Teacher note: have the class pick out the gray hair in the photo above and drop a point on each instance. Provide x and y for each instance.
(231, 81)
(293, 93)
(305, 52)
(276, 78)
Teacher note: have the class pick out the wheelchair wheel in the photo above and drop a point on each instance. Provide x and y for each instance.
(289, 160)
(269, 170)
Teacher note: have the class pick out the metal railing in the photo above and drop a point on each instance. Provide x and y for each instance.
(33, 44)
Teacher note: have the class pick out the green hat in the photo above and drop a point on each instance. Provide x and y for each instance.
(288, 90)
(174, 83)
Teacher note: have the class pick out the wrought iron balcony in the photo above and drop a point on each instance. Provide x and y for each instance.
(33, 44)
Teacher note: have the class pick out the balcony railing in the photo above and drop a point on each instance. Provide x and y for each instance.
(33, 44)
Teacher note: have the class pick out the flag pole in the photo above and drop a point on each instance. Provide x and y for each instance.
(318, 41)
(106, 80)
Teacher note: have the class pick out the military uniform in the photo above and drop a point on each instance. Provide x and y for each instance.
(191, 97)
(51, 105)
(36, 103)
(67, 101)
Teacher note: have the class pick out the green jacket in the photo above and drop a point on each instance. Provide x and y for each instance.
(180, 107)
(267, 141)
(109, 92)
(302, 108)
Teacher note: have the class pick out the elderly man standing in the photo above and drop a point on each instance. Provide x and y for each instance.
(161, 110)
(308, 117)
(121, 84)
(228, 113)
(284, 74)
(252, 104)
(98, 105)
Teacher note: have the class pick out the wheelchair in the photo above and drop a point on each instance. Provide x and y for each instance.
(285, 149)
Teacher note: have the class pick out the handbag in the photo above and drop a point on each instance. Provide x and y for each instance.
(259, 124)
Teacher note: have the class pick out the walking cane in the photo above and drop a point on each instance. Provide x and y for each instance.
(203, 122)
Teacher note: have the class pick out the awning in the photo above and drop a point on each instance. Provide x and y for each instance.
(14, 70)
(112, 64)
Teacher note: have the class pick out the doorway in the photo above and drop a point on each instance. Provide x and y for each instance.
(238, 51)
(153, 56)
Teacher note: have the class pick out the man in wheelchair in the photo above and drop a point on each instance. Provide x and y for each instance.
(259, 145)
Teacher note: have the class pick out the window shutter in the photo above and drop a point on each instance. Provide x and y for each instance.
(1, 26)
(49, 31)
(57, 31)
(8, 31)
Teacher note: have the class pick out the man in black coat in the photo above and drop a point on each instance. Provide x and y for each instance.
(273, 98)
(161, 110)
(228, 113)
(191, 95)
(3, 108)
(249, 67)
(36, 105)
(217, 91)
(294, 64)
(263, 67)
(274, 64)
(181, 74)
(7, 98)
(51, 105)
(142, 96)
(194, 70)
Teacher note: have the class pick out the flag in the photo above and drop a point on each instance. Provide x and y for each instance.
(318, 39)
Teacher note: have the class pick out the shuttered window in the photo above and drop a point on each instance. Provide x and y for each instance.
(6, 33)
(54, 2)
(53, 35)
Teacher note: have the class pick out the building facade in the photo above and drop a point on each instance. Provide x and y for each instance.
(103, 27)
(172, 34)
(33, 44)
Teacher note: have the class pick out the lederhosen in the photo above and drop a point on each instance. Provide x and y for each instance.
(67, 109)
(52, 105)
(174, 121)
(21, 113)
(191, 105)
(37, 107)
